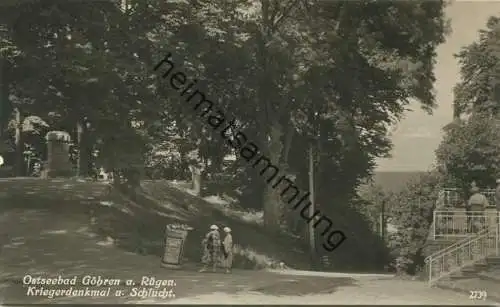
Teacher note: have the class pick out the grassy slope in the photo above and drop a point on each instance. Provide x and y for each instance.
(138, 225)
(201, 214)
(363, 250)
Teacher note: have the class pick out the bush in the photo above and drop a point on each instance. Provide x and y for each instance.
(6, 171)
(470, 150)
(247, 258)
(412, 215)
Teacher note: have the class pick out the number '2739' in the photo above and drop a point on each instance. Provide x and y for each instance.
(477, 295)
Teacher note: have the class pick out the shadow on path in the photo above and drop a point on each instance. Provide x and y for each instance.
(47, 233)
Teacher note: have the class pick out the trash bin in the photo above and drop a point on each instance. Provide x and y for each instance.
(175, 239)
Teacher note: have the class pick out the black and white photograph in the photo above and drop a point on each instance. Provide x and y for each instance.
(249, 152)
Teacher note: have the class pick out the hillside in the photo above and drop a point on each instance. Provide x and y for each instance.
(137, 225)
(363, 251)
(47, 232)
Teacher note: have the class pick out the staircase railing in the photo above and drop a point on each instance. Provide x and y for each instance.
(463, 253)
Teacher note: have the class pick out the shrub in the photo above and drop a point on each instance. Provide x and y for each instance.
(412, 215)
(247, 258)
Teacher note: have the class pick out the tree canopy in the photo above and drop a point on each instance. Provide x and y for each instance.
(296, 73)
(470, 148)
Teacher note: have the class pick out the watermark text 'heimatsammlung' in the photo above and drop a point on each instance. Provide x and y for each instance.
(248, 150)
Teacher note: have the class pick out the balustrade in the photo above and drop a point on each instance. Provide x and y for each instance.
(476, 234)
(460, 223)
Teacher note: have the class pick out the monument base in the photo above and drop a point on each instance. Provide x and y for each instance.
(170, 265)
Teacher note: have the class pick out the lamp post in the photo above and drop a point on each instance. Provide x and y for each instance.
(382, 220)
(312, 238)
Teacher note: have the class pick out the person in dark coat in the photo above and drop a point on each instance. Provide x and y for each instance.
(211, 249)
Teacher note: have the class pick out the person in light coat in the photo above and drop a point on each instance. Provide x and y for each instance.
(476, 207)
(228, 249)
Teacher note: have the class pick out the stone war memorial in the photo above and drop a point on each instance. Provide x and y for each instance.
(58, 162)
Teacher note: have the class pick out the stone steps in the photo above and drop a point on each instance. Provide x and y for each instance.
(482, 276)
(492, 287)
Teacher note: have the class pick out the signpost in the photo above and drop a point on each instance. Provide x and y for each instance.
(175, 238)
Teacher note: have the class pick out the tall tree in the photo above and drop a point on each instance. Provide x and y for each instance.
(291, 72)
(479, 87)
(470, 151)
(470, 148)
(333, 72)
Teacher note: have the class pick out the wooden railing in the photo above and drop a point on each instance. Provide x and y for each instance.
(464, 252)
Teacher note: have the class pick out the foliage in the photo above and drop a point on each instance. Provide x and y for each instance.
(470, 150)
(479, 87)
(412, 215)
(372, 198)
(364, 249)
(293, 73)
(279, 75)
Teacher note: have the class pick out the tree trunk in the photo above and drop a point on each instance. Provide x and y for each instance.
(83, 165)
(270, 115)
(382, 221)
(3, 102)
(5, 106)
(20, 169)
(271, 198)
(116, 178)
(288, 142)
(196, 174)
(312, 241)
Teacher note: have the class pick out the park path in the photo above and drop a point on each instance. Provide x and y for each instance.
(43, 244)
(47, 242)
(364, 293)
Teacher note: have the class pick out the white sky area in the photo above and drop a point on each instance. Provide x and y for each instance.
(418, 135)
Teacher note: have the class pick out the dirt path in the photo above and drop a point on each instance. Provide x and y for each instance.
(48, 244)
(44, 244)
(379, 293)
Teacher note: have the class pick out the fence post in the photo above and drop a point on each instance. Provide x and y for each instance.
(497, 235)
(434, 224)
(430, 271)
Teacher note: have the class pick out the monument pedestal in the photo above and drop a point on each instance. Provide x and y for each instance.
(58, 162)
(175, 238)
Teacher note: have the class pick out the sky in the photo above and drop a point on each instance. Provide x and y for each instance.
(418, 135)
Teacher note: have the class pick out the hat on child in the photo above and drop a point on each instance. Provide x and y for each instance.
(214, 227)
(227, 229)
